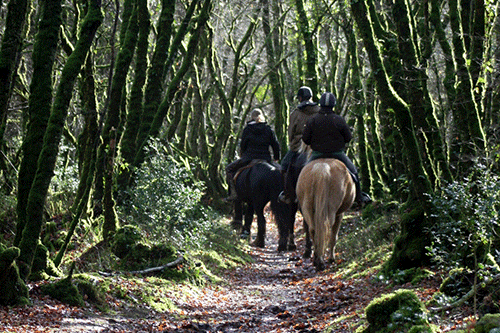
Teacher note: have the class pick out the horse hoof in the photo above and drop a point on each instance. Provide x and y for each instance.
(259, 244)
(320, 266)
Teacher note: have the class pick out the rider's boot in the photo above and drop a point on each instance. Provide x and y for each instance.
(362, 198)
(232, 190)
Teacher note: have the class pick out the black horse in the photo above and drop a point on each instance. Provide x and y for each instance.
(287, 241)
(256, 185)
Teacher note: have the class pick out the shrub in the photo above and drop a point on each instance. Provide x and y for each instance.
(466, 221)
(165, 200)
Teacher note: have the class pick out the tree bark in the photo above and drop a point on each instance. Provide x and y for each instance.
(39, 103)
(10, 53)
(110, 136)
(311, 73)
(410, 248)
(48, 156)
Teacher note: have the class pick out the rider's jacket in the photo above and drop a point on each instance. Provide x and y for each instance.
(326, 132)
(298, 119)
(255, 142)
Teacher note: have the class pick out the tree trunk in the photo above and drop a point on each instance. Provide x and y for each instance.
(10, 53)
(39, 103)
(311, 73)
(48, 156)
(275, 79)
(110, 134)
(410, 248)
(466, 115)
(155, 113)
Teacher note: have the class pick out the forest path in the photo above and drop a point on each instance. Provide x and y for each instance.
(278, 292)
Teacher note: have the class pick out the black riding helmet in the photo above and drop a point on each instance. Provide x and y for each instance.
(305, 93)
(327, 100)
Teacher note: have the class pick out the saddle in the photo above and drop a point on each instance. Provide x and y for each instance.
(248, 166)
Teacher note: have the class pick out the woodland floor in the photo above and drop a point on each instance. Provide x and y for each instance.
(278, 292)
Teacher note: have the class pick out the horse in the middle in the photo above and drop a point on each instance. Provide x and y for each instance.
(256, 185)
(325, 190)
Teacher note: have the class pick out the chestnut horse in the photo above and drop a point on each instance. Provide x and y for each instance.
(325, 190)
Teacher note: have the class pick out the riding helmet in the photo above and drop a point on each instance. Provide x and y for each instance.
(327, 100)
(305, 93)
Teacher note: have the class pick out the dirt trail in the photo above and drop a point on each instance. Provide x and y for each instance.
(278, 292)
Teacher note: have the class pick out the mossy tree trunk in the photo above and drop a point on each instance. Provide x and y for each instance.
(308, 34)
(110, 135)
(466, 109)
(10, 53)
(275, 74)
(133, 121)
(155, 110)
(414, 64)
(88, 144)
(48, 156)
(44, 52)
(409, 247)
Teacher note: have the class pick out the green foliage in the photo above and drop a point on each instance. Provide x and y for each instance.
(165, 201)
(377, 226)
(467, 220)
(396, 312)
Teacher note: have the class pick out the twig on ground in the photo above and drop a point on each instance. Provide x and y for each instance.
(147, 270)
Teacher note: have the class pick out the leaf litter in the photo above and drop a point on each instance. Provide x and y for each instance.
(276, 293)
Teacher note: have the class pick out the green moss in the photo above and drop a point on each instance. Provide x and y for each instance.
(65, 291)
(412, 275)
(409, 247)
(125, 239)
(421, 329)
(42, 266)
(396, 311)
(488, 323)
(13, 290)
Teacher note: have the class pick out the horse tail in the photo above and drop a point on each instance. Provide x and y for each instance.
(322, 208)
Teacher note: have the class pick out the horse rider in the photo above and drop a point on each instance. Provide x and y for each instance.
(256, 139)
(327, 133)
(306, 109)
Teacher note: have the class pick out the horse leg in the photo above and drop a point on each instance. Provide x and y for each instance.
(238, 215)
(291, 226)
(318, 261)
(245, 232)
(285, 228)
(335, 236)
(308, 249)
(261, 228)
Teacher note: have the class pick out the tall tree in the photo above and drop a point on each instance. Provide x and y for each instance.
(410, 247)
(43, 56)
(51, 140)
(10, 53)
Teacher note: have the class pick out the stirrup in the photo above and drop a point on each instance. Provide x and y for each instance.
(284, 198)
